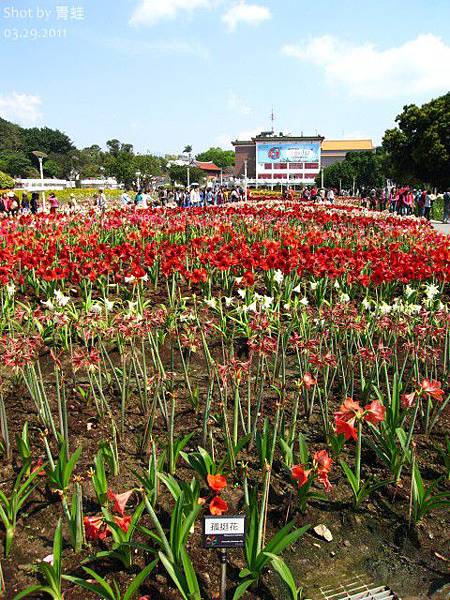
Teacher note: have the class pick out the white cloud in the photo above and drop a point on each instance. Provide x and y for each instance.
(237, 104)
(251, 14)
(149, 12)
(419, 66)
(21, 108)
(142, 47)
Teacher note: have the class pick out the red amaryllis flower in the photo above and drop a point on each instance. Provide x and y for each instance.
(322, 461)
(374, 412)
(433, 388)
(407, 400)
(346, 428)
(216, 482)
(95, 528)
(37, 467)
(123, 522)
(217, 506)
(120, 501)
(309, 380)
(348, 410)
(322, 476)
(300, 475)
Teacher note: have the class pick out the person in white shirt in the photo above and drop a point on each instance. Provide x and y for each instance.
(330, 196)
(125, 198)
(195, 197)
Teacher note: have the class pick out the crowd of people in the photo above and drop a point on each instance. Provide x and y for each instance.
(403, 201)
(183, 197)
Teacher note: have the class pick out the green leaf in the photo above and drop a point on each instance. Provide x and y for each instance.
(191, 577)
(350, 477)
(138, 580)
(173, 574)
(285, 573)
(242, 588)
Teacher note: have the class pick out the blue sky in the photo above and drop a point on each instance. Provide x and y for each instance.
(161, 74)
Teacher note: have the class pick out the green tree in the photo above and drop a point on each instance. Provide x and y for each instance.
(418, 149)
(222, 158)
(178, 174)
(16, 164)
(367, 169)
(6, 181)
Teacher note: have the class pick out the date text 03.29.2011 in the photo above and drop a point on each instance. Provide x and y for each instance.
(33, 33)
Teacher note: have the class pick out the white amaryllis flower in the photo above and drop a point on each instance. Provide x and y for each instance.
(96, 308)
(266, 302)
(212, 303)
(109, 304)
(238, 280)
(344, 297)
(431, 291)
(249, 307)
(336, 285)
(287, 306)
(304, 301)
(11, 289)
(385, 309)
(48, 304)
(241, 293)
(313, 285)
(130, 279)
(409, 291)
(298, 289)
(366, 304)
(413, 309)
(61, 299)
(228, 301)
(278, 277)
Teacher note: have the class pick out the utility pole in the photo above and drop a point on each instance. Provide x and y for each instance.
(245, 177)
(40, 156)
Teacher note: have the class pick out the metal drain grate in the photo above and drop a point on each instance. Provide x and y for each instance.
(357, 589)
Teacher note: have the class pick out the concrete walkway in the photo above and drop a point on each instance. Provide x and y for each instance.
(441, 227)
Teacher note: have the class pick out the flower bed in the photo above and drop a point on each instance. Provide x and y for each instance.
(285, 361)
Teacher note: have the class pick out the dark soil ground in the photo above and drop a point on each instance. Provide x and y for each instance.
(374, 542)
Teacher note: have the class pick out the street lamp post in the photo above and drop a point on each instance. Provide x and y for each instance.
(40, 156)
(188, 175)
(245, 178)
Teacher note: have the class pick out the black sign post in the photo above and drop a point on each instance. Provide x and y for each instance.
(224, 532)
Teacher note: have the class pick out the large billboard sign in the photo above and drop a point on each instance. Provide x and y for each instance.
(288, 152)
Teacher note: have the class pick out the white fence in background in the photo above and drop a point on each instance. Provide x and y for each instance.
(41, 185)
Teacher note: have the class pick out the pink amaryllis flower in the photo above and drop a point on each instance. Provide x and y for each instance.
(350, 412)
(95, 528)
(374, 412)
(309, 381)
(123, 522)
(407, 400)
(322, 464)
(120, 501)
(433, 388)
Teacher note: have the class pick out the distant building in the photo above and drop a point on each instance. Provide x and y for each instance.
(275, 159)
(334, 151)
(210, 170)
(279, 158)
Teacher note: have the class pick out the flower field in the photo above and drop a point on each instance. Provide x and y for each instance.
(285, 361)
